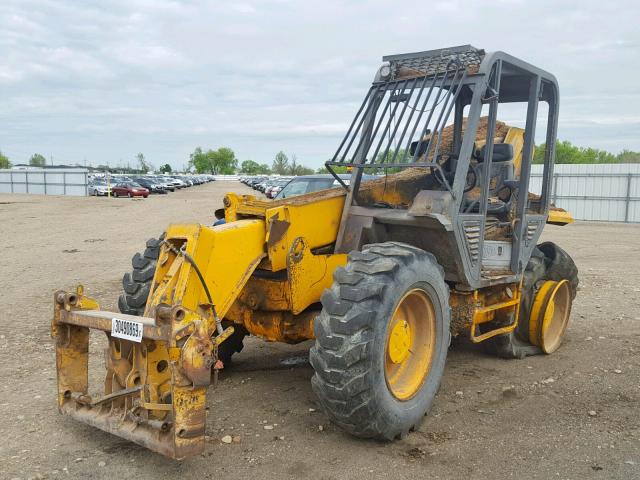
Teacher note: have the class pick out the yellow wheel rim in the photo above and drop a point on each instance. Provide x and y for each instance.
(411, 338)
(550, 315)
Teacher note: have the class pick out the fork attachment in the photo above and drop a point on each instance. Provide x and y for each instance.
(158, 367)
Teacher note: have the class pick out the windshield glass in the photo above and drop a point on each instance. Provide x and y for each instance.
(305, 185)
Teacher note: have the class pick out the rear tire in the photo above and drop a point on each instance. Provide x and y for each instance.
(559, 265)
(137, 285)
(548, 262)
(352, 349)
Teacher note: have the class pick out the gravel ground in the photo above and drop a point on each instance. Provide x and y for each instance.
(570, 415)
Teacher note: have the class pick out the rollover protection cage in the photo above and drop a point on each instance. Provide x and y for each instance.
(403, 115)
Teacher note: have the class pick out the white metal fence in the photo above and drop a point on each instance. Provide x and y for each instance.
(226, 177)
(45, 181)
(607, 192)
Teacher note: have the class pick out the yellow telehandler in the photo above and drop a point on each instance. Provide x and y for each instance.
(380, 272)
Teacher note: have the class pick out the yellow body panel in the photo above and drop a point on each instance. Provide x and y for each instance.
(301, 221)
(515, 136)
(309, 275)
(559, 217)
(216, 251)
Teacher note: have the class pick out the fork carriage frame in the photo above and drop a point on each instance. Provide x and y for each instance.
(155, 390)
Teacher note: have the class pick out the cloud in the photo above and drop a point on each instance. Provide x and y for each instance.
(243, 8)
(107, 79)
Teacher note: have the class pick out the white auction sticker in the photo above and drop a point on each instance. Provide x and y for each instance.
(126, 329)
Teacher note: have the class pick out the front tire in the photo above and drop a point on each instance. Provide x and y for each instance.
(376, 377)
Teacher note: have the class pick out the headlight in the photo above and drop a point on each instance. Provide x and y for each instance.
(385, 71)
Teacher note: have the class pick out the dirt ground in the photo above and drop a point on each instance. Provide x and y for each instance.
(572, 415)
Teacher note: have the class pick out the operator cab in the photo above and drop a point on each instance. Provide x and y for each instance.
(430, 124)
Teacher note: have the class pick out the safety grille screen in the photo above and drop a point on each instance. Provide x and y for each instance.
(400, 122)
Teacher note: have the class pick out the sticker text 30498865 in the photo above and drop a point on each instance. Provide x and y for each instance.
(126, 329)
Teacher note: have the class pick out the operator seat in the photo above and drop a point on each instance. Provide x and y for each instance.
(502, 183)
(502, 169)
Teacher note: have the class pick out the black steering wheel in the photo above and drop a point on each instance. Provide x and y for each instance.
(446, 177)
(494, 207)
(472, 178)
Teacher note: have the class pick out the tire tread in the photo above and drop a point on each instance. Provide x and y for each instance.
(343, 379)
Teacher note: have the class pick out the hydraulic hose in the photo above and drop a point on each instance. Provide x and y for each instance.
(190, 259)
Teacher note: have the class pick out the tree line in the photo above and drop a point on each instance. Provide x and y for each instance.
(566, 152)
(223, 161)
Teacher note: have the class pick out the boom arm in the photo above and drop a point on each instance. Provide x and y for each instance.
(155, 387)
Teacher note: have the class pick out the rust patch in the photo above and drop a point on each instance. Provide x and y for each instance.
(277, 229)
(297, 250)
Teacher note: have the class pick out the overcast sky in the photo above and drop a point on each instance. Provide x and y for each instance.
(105, 80)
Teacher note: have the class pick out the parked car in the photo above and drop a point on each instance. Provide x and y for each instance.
(187, 180)
(267, 182)
(313, 183)
(115, 179)
(253, 183)
(272, 190)
(164, 183)
(98, 188)
(150, 184)
(129, 189)
(176, 182)
(170, 182)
